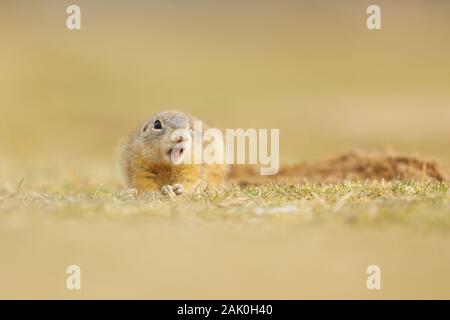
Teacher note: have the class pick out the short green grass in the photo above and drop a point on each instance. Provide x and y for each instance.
(424, 204)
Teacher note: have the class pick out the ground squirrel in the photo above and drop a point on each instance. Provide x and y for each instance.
(153, 157)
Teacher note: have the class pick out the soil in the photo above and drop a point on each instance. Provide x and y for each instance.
(353, 165)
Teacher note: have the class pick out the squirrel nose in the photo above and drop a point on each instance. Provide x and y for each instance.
(179, 138)
(180, 135)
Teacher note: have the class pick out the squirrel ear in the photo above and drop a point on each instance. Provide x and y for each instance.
(144, 128)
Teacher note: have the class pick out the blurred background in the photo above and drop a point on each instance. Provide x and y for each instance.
(311, 69)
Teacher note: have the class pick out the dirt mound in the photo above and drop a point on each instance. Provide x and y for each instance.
(353, 165)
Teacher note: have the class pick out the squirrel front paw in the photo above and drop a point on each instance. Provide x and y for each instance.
(175, 189)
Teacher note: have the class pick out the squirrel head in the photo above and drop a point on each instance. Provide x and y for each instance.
(166, 137)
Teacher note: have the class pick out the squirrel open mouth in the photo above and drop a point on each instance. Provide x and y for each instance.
(176, 154)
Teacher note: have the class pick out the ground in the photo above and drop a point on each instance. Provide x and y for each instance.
(269, 241)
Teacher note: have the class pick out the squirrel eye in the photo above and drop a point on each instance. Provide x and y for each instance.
(157, 125)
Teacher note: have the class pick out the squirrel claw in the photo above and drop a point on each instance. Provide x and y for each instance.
(169, 190)
(178, 188)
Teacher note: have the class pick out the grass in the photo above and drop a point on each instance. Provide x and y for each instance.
(410, 203)
(271, 241)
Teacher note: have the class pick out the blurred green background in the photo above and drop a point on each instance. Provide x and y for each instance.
(311, 69)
